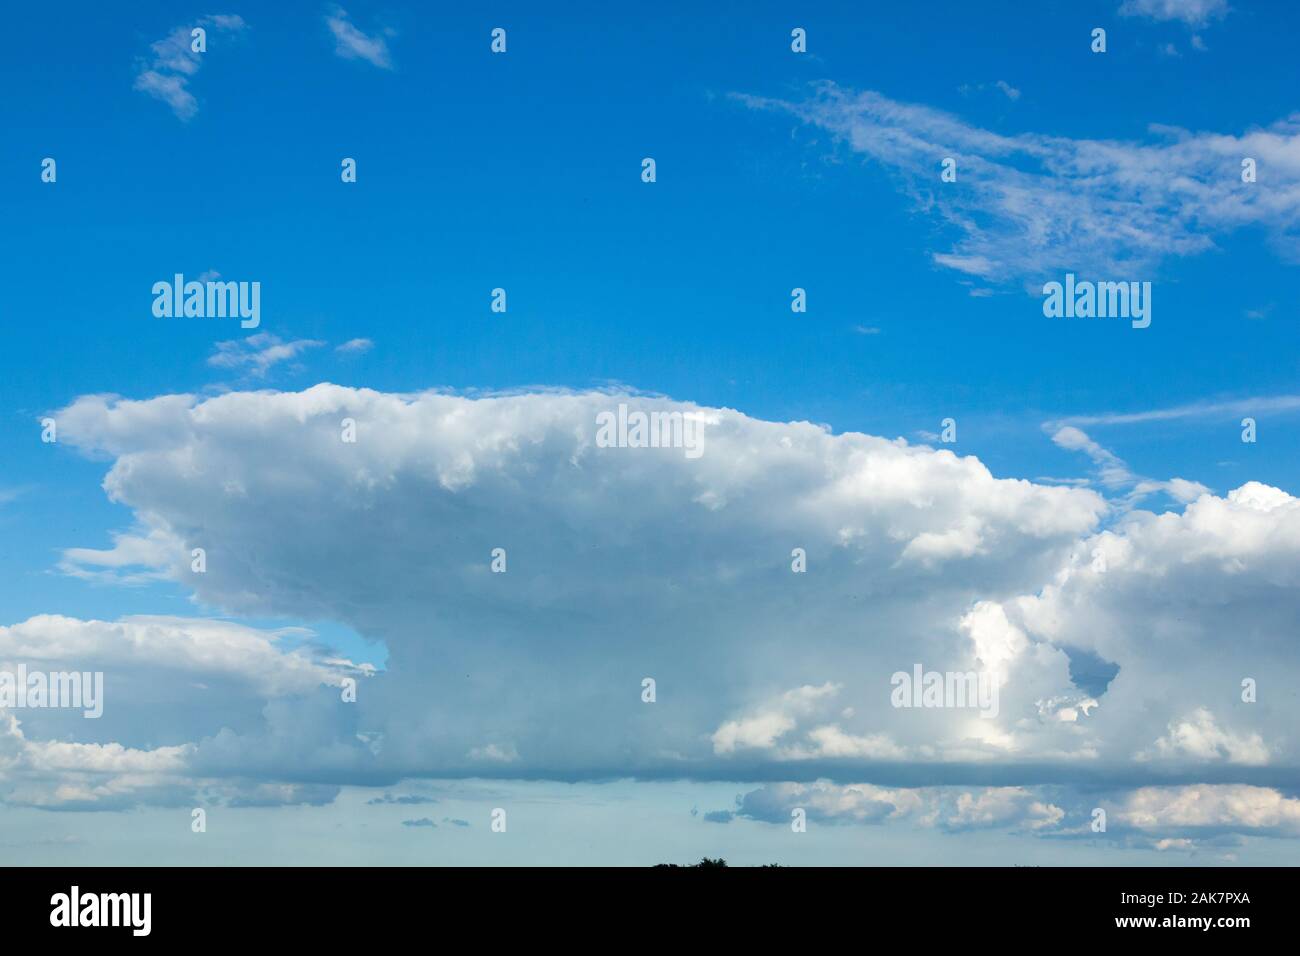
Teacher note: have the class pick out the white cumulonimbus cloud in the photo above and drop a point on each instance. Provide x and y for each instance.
(383, 512)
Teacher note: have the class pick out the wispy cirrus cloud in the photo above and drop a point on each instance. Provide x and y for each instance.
(1194, 13)
(1208, 410)
(174, 63)
(1027, 204)
(10, 494)
(354, 347)
(257, 354)
(351, 44)
(1007, 90)
(1114, 474)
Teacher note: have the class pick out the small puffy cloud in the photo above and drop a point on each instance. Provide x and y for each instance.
(1199, 737)
(1194, 13)
(829, 802)
(355, 347)
(495, 753)
(762, 728)
(133, 559)
(1002, 806)
(421, 822)
(1002, 86)
(167, 74)
(830, 740)
(351, 44)
(258, 353)
(794, 726)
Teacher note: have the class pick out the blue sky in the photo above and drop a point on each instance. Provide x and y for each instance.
(775, 170)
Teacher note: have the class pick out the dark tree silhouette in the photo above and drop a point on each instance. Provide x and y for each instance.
(705, 864)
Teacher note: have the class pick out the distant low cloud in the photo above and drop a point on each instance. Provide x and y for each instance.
(1238, 808)
(219, 669)
(174, 63)
(1160, 818)
(422, 822)
(351, 44)
(412, 799)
